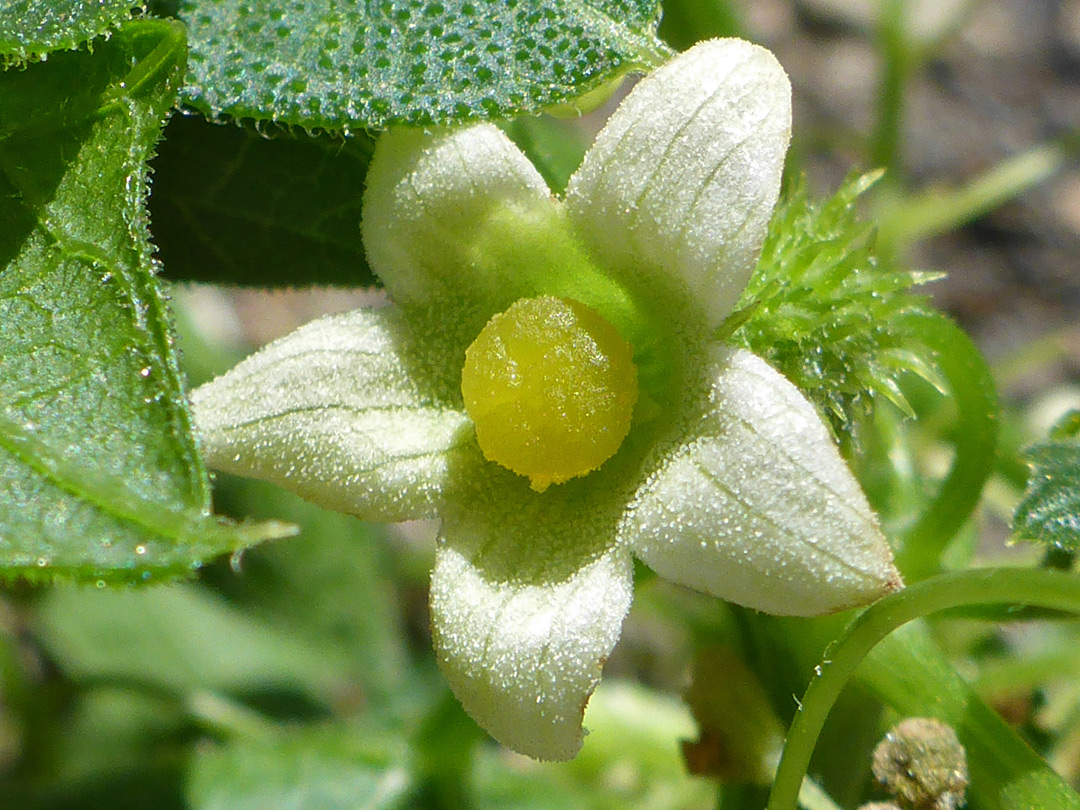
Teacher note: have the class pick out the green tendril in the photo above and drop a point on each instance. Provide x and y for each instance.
(1037, 588)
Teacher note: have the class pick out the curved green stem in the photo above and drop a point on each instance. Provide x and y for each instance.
(972, 389)
(1039, 588)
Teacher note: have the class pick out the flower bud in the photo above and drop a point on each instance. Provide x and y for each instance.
(923, 765)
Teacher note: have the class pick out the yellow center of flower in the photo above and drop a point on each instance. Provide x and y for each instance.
(550, 386)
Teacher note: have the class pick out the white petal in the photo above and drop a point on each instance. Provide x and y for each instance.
(429, 196)
(758, 507)
(524, 612)
(680, 185)
(355, 412)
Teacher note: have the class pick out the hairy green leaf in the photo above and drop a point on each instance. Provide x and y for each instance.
(233, 206)
(99, 474)
(826, 309)
(32, 28)
(341, 65)
(1050, 510)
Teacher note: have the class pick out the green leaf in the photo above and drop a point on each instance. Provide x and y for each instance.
(341, 65)
(236, 207)
(331, 587)
(32, 28)
(688, 21)
(99, 474)
(321, 768)
(555, 147)
(1050, 510)
(107, 747)
(182, 639)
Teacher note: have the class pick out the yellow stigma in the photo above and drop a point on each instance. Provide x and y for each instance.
(550, 386)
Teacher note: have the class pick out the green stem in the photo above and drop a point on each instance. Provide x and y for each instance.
(972, 390)
(444, 746)
(896, 66)
(149, 70)
(1038, 588)
(652, 52)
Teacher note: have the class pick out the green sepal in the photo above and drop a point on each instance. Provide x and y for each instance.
(824, 306)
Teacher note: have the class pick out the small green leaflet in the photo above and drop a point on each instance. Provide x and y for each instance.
(99, 474)
(1050, 510)
(342, 65)
(32, 28)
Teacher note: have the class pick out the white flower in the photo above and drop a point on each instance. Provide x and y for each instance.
(726, 481)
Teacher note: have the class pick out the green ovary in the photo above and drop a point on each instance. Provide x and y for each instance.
(550, 386)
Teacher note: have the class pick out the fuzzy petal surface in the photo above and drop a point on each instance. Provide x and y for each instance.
(755, 505)
(527, 602)
(354, 412)
(430, 204)
(680, 185)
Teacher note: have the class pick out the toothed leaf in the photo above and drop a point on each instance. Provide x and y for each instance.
(344, 65)
(1050, 511)
(99, 475)
(30, 29)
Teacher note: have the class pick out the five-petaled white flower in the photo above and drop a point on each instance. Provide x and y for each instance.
(600, 417)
